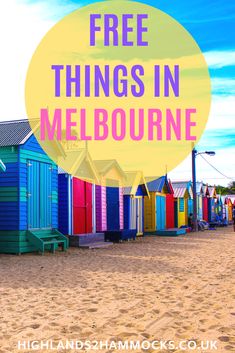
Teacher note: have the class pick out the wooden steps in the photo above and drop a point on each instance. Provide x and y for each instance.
(48, 239)
(171, 232)
(117, 236)
(88, 241)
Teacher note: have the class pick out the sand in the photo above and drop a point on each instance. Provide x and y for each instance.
(154, 288)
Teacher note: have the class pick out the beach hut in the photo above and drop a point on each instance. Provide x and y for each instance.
(219, 207)
(182, 194)
(109, 195)
(28, 192)
(170, 213)
(77, 196)
(211, 204)
(134, 191)
(155, 205)
(200, 193)
(205, 202)
(231, 204)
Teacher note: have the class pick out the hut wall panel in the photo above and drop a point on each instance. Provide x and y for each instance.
(101, 208)
(127, 206)
(9, 190)
(150, 212)
(170, 214)
(121, 208)
(63, 204)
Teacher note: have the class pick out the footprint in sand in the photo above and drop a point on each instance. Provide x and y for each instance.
(92, 310)
(34, 326)
(224, 338)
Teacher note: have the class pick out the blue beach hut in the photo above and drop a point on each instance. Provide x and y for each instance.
(28, 193)
(134, 191)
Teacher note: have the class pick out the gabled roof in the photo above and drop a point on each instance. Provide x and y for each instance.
(181, 188)
(212, 191)
(14, 133)
(103, 166)
(205, 190)
(199, 188)
(232, 198)
(17, 132)
(77, 158)
(133, 181)
(156, 184)
(2, 166)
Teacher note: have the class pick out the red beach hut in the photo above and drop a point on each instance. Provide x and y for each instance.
(170, 213)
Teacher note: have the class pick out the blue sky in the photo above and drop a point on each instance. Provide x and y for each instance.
(211, 23)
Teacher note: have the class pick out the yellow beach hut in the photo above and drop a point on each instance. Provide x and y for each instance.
(182, 195)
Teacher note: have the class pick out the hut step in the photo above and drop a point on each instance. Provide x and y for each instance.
(98, 245)
(48, 239)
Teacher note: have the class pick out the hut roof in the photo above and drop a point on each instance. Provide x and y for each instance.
(2, 166)
(199, 188)
(17, 132)
(133, 181)
(14, 133)
(156, 184)
(181, 188)
(79, 159)
(212, 191)
(232, 198)
(205, 190)
(103, 166)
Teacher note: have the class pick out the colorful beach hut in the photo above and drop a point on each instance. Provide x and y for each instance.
(77, 196)
(205, 202)
(200, 193)
(28, 192)
(182, 194)
(231, 204)
(109, 195)
(155, 205)
(170, 213)
(211, 204)
(135, 188)
(228, 203)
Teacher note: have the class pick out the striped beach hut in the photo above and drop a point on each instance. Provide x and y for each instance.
(29, 192)
(211, 204)
(205, 202)
(77, 196)
(200, 193)
(155, 205)
(134, 191)
(109, 195)
(182, 195)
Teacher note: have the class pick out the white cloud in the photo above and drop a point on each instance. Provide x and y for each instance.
(218, 59)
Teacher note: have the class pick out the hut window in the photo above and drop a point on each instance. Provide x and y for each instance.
(181, 205)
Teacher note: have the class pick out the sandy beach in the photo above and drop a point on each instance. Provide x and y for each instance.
(154, 288)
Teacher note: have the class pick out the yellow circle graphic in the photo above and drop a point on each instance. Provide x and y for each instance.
(117, 81)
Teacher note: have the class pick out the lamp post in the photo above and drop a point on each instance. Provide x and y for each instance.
(195, 153)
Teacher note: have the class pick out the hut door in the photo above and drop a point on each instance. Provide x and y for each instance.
(82, 206)
(161, 212)
(39, 195)
(133, 214)
(112, 199)
(139, 211)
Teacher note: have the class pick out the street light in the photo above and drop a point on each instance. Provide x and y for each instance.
(195, 153)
